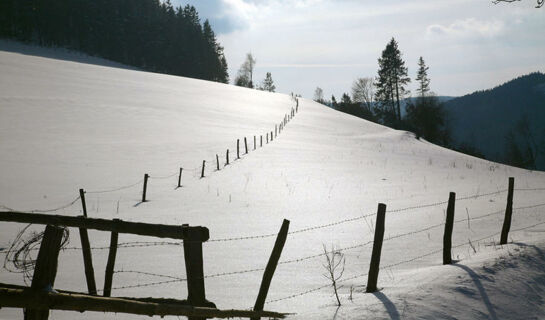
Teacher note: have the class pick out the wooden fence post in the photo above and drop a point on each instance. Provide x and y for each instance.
(180, 178)
(217, 162)
(238, 147)
(245, 145)
(508, 212)
(227, 157)
(254, 143)
(267, 136)
(45, 270)
(275, 130)
(261, 140)
(202, 171)
(86, 250)
(377, 248)
(447, 236)
(110, 264)
(146, 176)
(271, 136)
(271, 266)
(194, 266)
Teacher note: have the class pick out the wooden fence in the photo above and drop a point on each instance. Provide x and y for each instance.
(40, 297)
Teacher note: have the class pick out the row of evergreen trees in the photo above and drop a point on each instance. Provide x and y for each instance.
(382, 99)
(147, 34)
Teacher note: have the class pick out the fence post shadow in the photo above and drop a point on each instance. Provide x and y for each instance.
(388, 304)
(486, 300)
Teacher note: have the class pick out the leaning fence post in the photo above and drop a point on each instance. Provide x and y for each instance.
(227, 157)
(86, 250)
(146, 176)
(217, 162)
(45, 270)
(245, 145)
(180, 178)
(267, 136)
(447, 236)
(271, 136)
(193, 257)
(271, 266)
(110, 264)
(508, 212)
(377, 248)
(202, 171)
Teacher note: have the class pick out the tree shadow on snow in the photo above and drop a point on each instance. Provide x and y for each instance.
(388, 304)
(476, 280)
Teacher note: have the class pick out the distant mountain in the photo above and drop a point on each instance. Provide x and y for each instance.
(483, 119)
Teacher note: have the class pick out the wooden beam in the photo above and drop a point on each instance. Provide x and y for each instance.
(28, 298)
(120, 226)
(110, 265)
(45, 270)
(271, 266)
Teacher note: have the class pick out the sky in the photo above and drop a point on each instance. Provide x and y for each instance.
(469, 45)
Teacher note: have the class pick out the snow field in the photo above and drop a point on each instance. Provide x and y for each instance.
(67, 125)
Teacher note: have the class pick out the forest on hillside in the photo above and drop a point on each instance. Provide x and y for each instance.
(148, 34)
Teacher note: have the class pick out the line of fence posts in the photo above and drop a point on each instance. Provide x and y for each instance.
(374, 267)
(276, 131)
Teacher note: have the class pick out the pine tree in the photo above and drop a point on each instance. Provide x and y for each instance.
(268, 84)
(422, 78)
(390, 84)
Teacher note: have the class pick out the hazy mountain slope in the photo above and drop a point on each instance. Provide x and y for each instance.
(483, 119)
(67, 125)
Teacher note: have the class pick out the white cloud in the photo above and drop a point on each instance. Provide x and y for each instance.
(468, 27)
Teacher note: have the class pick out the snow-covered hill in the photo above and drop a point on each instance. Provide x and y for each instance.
(67, 125)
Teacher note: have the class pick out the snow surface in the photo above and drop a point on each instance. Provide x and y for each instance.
(66, 125)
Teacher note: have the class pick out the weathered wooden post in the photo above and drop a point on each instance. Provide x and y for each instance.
(296, 105)
(227, 157)
(377, 249)
(238, 146)
(146, 176)
(447, 236)
(508, 212)
(271, 266)
(275, 130)
(180, 178)
(110, 264)
(193, 239)
(267, 136)
(271, 136)
(261, 140)
(202, 171)
(245, 145)
(217, 162)
(45, 270)
(86, 250)
(254, 142)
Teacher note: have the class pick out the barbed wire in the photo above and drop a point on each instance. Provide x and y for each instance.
(116, 189)
(65, 206)
(529, 189)
(397, 264)
(164, 177)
